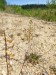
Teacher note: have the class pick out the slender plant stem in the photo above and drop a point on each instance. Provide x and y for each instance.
(6, 55)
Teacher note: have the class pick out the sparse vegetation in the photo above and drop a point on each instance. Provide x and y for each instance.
(45, 12)
(33, 58)
(20, 49)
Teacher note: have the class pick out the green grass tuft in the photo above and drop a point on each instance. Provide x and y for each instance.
(33, 58)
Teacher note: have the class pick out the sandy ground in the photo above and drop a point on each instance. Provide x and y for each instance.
(27, 35)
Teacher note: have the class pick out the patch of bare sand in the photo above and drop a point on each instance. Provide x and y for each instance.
(27, 35)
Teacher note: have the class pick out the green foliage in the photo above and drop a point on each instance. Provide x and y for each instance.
(13, 9)
(33, 58)
(53, 2)
(2, 4)
(31, 6)
(45, 12)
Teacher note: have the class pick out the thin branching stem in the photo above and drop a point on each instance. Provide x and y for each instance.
(6, 55)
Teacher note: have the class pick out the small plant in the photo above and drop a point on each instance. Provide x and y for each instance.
(33, 58)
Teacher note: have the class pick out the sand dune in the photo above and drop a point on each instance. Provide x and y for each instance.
(27, 35)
